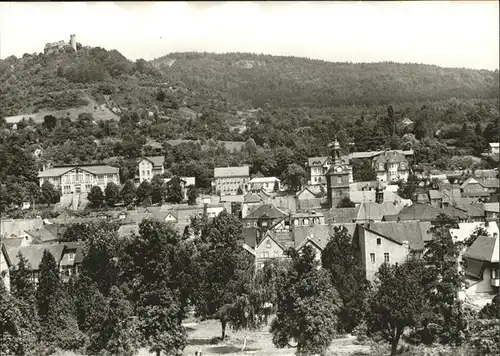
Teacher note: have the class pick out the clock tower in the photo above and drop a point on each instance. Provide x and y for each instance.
(338, 177)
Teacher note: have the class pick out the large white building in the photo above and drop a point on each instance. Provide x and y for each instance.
(391, 166)
(80, 179)
(151, 166)
(227, 180)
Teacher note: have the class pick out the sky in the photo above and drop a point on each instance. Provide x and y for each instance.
(445, 33)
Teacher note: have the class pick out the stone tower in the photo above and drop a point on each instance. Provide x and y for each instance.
(72, 41)
(337, 177)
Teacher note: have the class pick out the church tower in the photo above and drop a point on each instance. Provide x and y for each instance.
(338, 177)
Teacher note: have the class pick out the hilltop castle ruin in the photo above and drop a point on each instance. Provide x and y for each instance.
(56, 46)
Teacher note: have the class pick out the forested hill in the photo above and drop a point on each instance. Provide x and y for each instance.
(254, 80)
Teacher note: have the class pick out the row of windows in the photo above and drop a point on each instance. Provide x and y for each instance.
(266, 254)
(386, 257)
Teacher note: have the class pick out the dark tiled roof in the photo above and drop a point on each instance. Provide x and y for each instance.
(157, 161)
(268, 210)
(412, 231)
(319, 234)
(417, 211)
(342, 215)
(250, 236)
(375, 211)
(483, 249)
(34, 254)
(13, 242)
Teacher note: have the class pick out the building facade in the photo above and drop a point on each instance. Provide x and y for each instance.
(151, 166)
(268, 184)
(80, 179)
(339, 176)
(228, 180)
(391, 166)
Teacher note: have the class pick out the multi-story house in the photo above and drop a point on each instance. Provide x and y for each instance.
(71, 260)
(479, 189)
(227, 180)
(34, 254)
(318, 166)
(80, 179)
(268, 184)
(391, 166)
(390, 242)
(151, 166)
(482, 268)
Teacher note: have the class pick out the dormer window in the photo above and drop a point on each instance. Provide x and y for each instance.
(71, 256)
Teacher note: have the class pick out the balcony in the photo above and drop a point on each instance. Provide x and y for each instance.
(495, 282)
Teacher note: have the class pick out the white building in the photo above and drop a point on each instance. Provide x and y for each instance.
(391, 166)
(494, 148)
(80, 179)
(227, 180)
(150, 166)
(266, 183)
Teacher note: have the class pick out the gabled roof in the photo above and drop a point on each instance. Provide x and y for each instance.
(252, 198)
(342, 215)
(484, 249)
(267, 210)
(474, 210)
(299, 193)
(227, 172)
(54, 172)
(417, 211)
(45, 234)
(375, 211)
(455, 212)
(391, 157)
(470, 180)
(415, 232)
(34, 254)
(264, 180)
(317, 161)
(319, 234)
(157, 161)
(270, 236)
(12, 242)
(249, 249)
(77, 247)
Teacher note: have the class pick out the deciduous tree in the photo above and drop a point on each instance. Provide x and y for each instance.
(128, 192)
(399, 300)
(112, 194)
(307, 306)
(95, 196)
(341, 257)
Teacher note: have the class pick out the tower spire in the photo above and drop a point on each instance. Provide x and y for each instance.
(335, 151)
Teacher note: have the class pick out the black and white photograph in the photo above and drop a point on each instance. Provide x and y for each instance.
(249, 178)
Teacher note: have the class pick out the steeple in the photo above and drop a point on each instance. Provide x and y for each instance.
(335, 152)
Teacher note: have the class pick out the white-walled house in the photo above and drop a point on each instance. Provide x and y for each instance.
(151, 166)
(265, 183)
(80, 179)
(482, 270)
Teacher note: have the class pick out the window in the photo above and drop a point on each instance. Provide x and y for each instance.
(268, 244)
(386, 256)
(372, 257)
(379, 241)
(143, 173)
(339, 180)
(494, 273)
(71, 256)
(148, 172)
